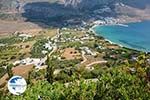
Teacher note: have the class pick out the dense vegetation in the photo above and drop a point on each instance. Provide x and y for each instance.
(8, 52)
(38, 47)
(14, 39)
(114, 83)
(126, 75)
(2, 71)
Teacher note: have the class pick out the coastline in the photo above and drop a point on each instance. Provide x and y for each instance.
(92, 29)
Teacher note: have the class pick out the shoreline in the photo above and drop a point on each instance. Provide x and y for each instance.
(120, 45)
(93, 31)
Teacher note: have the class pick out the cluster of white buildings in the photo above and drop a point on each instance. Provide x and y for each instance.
(31, 61)
(1, 44)
(99, 22)
(111, 20)
(88, 51)
(25, 36)
(49, 46)
(75, 38)
(107, 21)
(37, 62)
(60, 38)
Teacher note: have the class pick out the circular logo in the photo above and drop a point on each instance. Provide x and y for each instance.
(17, 85)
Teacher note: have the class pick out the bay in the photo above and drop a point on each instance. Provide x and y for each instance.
(132, 35)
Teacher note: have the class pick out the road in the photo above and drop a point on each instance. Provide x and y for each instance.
(96, 62)
(84, 58)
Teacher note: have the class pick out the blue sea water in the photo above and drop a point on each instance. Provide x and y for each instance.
(134, 35)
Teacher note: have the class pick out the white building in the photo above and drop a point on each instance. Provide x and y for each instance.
(25, 35)
(1, 44)
(31, 61)
(88, 51)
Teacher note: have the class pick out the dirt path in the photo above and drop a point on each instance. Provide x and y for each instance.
(84, 58)
(96, 62)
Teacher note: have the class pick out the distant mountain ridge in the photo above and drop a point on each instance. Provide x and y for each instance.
(92, 3)
(85, 4)
(38, 9)
(78, 4)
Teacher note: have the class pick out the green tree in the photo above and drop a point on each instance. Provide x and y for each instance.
(148, 74)
(50, 70)
(9, 70)
(119, 85)
(29, 78)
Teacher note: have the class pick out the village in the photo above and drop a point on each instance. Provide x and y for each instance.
(53, 44)
(73, 49)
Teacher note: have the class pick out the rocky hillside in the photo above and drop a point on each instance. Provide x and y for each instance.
(92, 3)
(85, 4)
(13, 5)
(48, 9)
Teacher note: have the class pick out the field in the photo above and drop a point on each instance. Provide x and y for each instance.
(18, 70)
(70, 53)
(72, 32)
(9, 27)
(49, 32)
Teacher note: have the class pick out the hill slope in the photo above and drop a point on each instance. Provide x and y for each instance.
(48, 9)
(91, 3)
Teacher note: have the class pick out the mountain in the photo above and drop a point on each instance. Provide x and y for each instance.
(85, 4)
(48, 10)
(92, 3)
(10, 5)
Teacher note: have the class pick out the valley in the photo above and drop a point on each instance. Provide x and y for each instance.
(54, 46)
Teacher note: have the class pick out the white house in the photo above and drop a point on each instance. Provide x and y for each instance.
(29, 61)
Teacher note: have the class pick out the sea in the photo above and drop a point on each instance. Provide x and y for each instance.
(132, 35)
